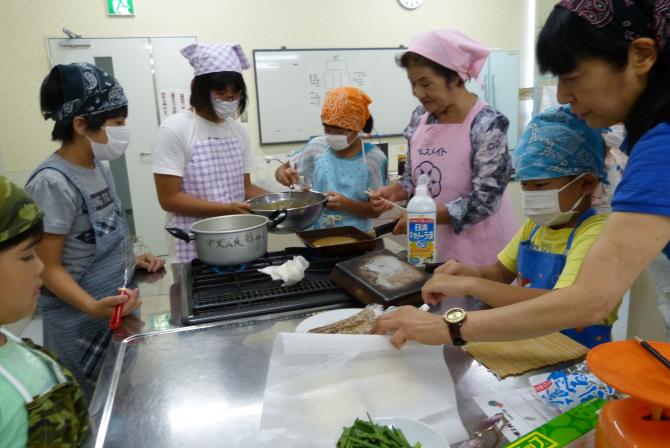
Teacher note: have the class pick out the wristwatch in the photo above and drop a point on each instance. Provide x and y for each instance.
(454, 318)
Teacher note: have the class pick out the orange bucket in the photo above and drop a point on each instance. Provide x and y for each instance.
(642, 421)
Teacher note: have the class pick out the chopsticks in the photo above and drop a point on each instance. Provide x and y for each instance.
(398, 207)
(653, 351)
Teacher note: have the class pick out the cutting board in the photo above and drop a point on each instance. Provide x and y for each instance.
(381, 277)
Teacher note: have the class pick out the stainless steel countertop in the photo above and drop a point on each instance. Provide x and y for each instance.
(147, 413)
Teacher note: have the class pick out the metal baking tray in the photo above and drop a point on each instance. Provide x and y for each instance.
(194, 386)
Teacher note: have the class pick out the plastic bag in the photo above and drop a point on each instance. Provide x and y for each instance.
(319, 383)
(567, 388)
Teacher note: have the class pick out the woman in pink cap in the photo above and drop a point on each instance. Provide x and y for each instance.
(201, 156)
(612, 60)
(460, 143)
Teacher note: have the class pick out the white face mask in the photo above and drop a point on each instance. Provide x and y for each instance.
(118, 139)
(339, 142)
(225, 109)
(543, 206)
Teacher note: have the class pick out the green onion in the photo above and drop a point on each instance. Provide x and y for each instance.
(367, 434)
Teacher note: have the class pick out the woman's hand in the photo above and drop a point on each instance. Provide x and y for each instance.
(286, 175)
(104, 308)
(378, 205)
(411, 324)
(150, 262)
(443, 286)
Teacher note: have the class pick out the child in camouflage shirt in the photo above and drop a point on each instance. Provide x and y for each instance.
(41, 403)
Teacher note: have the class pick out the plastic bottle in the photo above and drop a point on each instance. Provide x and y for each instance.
(421, 225)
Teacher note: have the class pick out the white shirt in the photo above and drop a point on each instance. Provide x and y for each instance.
(172, 145)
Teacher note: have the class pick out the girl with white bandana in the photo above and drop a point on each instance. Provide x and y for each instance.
(202, 159)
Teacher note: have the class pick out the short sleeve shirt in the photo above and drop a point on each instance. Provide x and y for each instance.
(172, 145)
(65, 211)
(645, 185)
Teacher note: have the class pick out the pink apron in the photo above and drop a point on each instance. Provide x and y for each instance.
(215, 173)
(443, 152)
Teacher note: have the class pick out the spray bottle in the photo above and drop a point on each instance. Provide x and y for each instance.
(421, 225)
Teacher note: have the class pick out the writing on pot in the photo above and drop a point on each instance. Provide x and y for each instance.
(245, 240)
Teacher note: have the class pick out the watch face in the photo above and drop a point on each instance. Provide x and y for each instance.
(410, 4)
(455, 315)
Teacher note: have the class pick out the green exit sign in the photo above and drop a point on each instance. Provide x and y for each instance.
(120, 8)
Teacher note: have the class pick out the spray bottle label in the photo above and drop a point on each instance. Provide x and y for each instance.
(421, 238)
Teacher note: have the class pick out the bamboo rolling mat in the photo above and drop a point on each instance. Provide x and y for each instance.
(516, 357)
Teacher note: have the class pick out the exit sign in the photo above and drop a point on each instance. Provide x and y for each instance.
(120, 8)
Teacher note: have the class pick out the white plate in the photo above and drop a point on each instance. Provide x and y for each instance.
(325, 318)
(415, 431)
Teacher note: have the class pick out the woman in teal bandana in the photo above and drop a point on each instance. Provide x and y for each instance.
(41, 403)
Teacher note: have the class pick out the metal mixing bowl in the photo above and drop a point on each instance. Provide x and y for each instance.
(303, 208)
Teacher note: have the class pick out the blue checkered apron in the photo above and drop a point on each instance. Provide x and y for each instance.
(77, 338)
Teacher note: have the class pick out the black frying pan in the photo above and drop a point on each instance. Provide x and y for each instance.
(364, 242)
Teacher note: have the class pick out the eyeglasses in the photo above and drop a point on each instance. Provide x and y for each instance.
(490, 425)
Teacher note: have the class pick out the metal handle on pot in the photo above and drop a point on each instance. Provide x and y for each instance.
(180, 234)
(277, 217)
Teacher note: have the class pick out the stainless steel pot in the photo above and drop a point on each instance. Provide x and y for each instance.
(230, 240)
(303, 208)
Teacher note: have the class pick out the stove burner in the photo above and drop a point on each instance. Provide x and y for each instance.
(228, 269)
(217, 293)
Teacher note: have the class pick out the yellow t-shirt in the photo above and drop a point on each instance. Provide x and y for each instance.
(555, 241)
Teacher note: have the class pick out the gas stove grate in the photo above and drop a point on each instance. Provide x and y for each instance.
(259, 296)
(227, 293)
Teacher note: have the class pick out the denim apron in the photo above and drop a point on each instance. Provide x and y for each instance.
(538, 269)
(77, 338)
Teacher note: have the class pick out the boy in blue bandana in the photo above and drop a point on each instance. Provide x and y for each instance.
(559, 162)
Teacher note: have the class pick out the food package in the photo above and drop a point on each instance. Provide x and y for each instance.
(572, 429)
(568, 388)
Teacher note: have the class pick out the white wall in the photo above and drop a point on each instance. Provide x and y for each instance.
(24, 136)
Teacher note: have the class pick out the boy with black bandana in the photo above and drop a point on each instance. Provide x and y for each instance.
(84, 225)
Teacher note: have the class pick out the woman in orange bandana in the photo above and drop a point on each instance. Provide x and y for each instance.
(339, 163)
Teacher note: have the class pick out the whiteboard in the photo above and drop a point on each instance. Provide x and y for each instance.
(291, 85)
